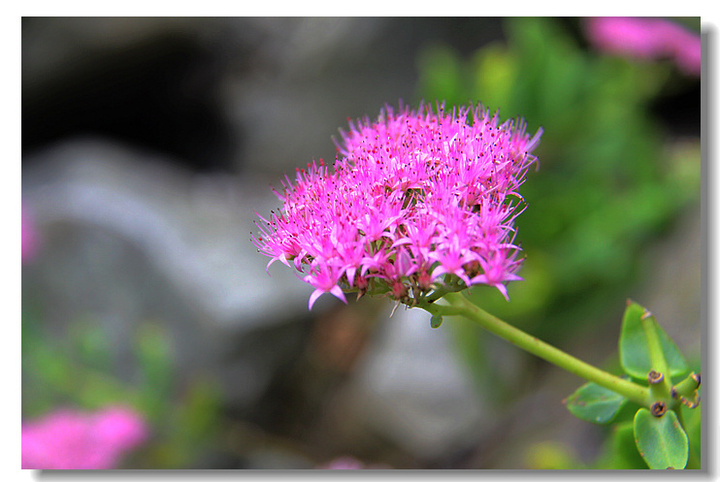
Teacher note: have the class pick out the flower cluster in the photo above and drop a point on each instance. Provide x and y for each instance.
(68, 439)
(647, 38)
(420, 202)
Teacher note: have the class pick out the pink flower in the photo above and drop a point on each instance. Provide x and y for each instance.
(343, 463)
(69, 439)
(418, 200)
(647, 38)
(324, 278)
(350, 463)
(28, 244)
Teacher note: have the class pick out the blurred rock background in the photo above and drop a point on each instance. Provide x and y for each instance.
(148, 146)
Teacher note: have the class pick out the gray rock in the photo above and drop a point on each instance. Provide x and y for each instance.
(195, 229)
(411, 388)
(125, 237)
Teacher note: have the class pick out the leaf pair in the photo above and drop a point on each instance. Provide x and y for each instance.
(644, 348)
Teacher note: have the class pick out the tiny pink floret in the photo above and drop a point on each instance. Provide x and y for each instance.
(418, 200)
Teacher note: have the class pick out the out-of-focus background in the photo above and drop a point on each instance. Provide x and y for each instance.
(149, 144)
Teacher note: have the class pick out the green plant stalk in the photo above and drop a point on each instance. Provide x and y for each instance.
(688, 387)
(459, 305)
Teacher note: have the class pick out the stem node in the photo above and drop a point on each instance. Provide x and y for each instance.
(658, 409)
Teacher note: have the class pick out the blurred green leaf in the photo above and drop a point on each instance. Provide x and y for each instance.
(620, 451)
(190, 426)
(98, 390)
(661, 441)
(495, 72)
(595, 404)
(441, 75)
(155, 354)
(692, 422)
(549, 455)
(635, 350)
(53, 369)
(91, 345)
(199, 413)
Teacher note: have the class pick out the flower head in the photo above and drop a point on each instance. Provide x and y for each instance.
(647, 38)
(419, 200)
(74, 440)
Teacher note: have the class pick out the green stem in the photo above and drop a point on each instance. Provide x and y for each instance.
(442, 291)
(688, 387)
(462, 306)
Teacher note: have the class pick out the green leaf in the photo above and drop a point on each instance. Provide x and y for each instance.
(692, 422)
(635, 348)
(436, 320)
(661, 441)
(595, 404)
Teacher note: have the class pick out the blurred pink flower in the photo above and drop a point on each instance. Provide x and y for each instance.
(68, 439)
(647, 38)
(28, 242)
(350, 463)
(343, 463)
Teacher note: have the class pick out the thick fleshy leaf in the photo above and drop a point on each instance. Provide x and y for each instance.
(661, 441)
(635, 350)
(595, 404)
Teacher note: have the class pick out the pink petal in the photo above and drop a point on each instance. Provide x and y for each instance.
(313, 297)
(338, 292)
